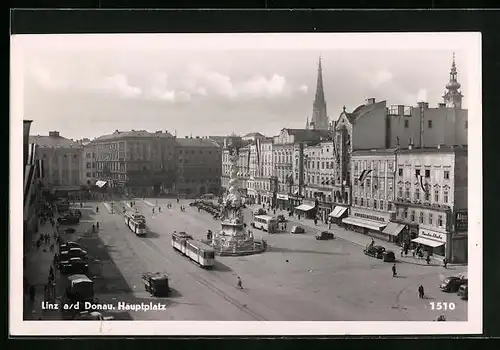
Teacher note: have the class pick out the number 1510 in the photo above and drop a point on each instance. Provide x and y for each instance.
(442, 305)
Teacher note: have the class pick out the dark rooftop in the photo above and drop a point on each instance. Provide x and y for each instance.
(307, 134)
(196, 142)
(117, 135)
(54, 141)
(362, 110)
(253, 134)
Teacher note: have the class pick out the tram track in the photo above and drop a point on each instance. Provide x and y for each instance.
(204, 282)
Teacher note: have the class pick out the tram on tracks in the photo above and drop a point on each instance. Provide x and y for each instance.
(199, 252)
(136, 222)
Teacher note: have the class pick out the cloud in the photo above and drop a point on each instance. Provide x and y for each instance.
(422, 95)
(378, 78)
(303, 88)
(118, 84)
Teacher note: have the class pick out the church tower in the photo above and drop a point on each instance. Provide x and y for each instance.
(453, 97)
(319, 118)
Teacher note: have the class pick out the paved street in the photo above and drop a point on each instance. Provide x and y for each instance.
(299, 278)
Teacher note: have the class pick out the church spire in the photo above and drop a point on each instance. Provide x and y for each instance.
(307, 123)
(453, 96)
(320, 94)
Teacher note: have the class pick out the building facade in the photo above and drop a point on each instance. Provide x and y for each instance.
(199, 167)
(373, 182)
(319, 175)
(265, 180)
(431, 199)
(89, 165)
(62, 159)
(139, 163)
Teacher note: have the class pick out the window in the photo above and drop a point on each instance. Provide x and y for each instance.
(400, 172)
(412, 215)
(429, 124)
(362, 201)
(367, 202)
(381, 205)
(405, 213)
(427, 195)
(355, 200)
(406, 123)
(407, 193)
(436, 195)
(417, 172)
(368, 183)
(389, 206)
(440, 220)
(322, 165)
(374, 204)
(400, 192)
(427, 173)
(445, 196)
(446, 175)
(430, 218)
(421, 217)
(417, 194)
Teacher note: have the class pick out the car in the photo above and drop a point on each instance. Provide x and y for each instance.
(463, 292)
(260, 211)
(375, 251)
(68, 220)
(281, 218)
(68, 245)
(297, 229)
(73, 253)
(452, 284)
(324, 235)
(74, 266)
(194, 203)
(388, 256)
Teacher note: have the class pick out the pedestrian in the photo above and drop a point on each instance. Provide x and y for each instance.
(445, 263)
(97, 225)
(394, 273)
(428, 259)
(421, 292)
(93, 228)
(153, 211)
(329, 225)
(402, 251)
(240, 285)
(81, 205)
(159, 209)
(97, 209)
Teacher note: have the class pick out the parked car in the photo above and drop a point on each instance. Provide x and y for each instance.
(375, 251)
(297, 229)
(388, 256)
(74, 266)
(260, 211)
(452, 284)
(281, 218)
(65, 255)
(68, 220)
(463, 292)
(68, 245)
(324, 235)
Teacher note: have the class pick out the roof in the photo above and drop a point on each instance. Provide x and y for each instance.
(117, 135)
(194, 142)
(374, 152)
(441, 149)
(218, 139)
(362, 110)
(54, 142)
(253, 134)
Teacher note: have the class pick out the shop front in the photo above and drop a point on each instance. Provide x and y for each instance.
(433, 242)
(338, 213)
(282, 201)
(307, 209)
(252, 196)
(368, 222)
(394, 232)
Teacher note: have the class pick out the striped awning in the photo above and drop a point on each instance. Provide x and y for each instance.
(304, 207)
(372, 225)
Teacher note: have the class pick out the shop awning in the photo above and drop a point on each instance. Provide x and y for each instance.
(393, 229)
(304, 207)
(338, 211)
(372, 225)
(100, 183)
(427, 242)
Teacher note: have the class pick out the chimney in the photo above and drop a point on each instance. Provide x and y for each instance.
(370, 101)
(401, 109)
(423, 105)
(54, 133)
(186, 137)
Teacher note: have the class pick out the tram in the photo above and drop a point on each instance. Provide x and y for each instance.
(199, 252)
(136, 223)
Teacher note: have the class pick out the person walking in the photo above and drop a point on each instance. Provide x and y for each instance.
(421, 291)
(329, 225)
(97, 225)
(240, 285)
(445, 263)
(394, 273)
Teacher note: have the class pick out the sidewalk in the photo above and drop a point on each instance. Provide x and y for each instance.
(355, 237)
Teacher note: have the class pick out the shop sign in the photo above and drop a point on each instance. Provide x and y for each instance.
(436, 236)
(461, 221)
(282, 196)
(370, 216)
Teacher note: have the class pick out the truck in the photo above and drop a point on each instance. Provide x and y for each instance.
(156, 283)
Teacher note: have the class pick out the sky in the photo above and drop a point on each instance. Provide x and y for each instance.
(90, 85)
